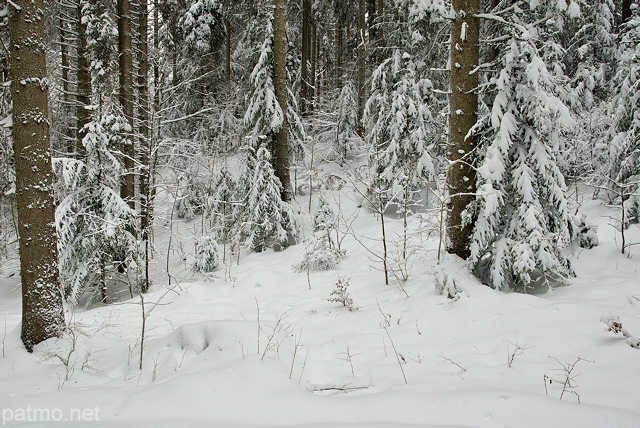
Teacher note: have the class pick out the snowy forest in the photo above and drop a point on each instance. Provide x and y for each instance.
(320, 212)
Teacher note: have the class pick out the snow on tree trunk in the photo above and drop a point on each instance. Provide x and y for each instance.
(280, 84)
(42, 312)
(463, 106)
(125, 50)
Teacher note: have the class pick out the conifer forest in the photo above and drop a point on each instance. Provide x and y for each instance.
(367, 213)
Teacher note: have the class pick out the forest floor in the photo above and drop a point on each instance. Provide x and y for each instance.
(258, 344)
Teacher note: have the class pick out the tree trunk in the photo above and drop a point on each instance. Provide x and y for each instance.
(83, 112)
(65, 66)
(338, 55)
(626, 10)
(361, 42)
(145, 136)
(280, 83)
(313, 86)
(306, 35)
(42, 312)
(125, 51)
(380, 31)
(227, 51)
(463, 106)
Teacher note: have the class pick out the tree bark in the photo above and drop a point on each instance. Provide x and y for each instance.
(65, 66)
(83, 105)
(145, 136)
(380, 31)
(361, 42)
(280, 83)
(125, 51)
(42, 313)
(313, 84)
(338, 55)
(626, 10)
(306, 44)
(463, 106)
(227, 51)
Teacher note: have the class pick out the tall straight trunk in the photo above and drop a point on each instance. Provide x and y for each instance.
(83, 105)
(156, 60)
(42, 312)
(69, 138)
(125, 51)
(227, 52)
(626, 10)
(361, 42)
(338, 55)
(306, 36)
(463, 106)
(174, 51)
(145, 135)
(280, 83)
(313, 86)
(380, 31)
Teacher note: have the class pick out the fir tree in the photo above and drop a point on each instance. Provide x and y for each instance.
(94, 222)
(622, 170)
(347, 126)
(270, 221)
(522, 214)
(206, 252)
(264, 117)
(222, 205)
(401, 129)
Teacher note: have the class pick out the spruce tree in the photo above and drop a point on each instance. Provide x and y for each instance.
(271, 221)
(94, 223)
(522, 212)
(622, 169)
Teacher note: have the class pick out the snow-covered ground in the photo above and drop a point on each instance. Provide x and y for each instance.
(258, 344)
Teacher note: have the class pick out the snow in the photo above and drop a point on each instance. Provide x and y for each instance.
(221, 352)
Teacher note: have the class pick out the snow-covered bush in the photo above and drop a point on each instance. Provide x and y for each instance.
(318, 255)
(341, 294)
(192, 192)
(320, 250)
(446, 283)
(586, 233)
(206, 253)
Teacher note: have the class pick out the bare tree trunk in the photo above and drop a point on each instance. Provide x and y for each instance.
(227, 51)
(280, 83)
(173, 26)
(626, 10)
(125, 50)
(304, 74)
(145, 136)
(42, 312)
(83, 112)
(69, 137)
(338, 55)
(380, 31)
(313, 89)
(463, 106)
(361, 42)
